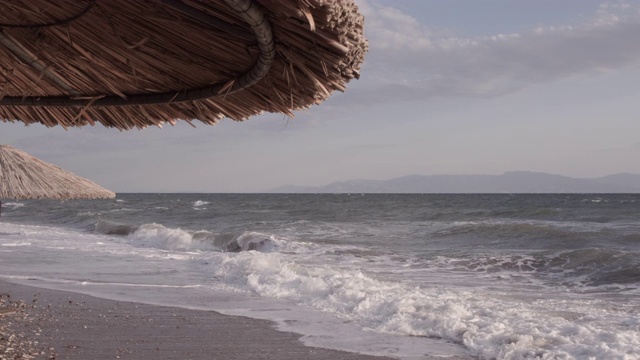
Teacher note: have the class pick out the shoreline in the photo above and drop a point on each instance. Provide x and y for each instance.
(39, 323)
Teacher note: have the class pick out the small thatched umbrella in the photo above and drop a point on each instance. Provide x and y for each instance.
(23, 176)
(130, 64)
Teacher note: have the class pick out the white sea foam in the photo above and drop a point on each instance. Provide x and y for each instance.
(503, 327)
(199, 203)
(159, 236)
(14, 205)
(257, 241)
(16, 244)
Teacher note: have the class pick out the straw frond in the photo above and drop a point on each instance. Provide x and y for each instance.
(131, 64)
(23, 176)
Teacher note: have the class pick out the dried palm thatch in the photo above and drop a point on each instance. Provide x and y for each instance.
(23, 176)
(129, 64)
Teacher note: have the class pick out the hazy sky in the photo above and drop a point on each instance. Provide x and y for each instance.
(448, 87)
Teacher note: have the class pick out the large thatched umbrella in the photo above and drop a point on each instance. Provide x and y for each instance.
(23, 176)
(128, 64)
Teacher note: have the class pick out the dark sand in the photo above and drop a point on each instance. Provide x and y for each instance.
(46, 324)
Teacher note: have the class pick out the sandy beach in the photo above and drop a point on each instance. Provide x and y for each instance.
(38, 323)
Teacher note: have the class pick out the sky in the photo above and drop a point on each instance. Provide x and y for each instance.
(448, 87)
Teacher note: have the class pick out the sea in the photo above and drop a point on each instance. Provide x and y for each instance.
(411, 276)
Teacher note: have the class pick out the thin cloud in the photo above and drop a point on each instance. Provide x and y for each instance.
(411, 61)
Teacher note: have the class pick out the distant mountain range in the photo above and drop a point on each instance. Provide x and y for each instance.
(509, 182)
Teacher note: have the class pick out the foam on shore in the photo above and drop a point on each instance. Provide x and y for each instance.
(49, 324)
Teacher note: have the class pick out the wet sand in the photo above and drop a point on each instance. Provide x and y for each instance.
(38, 323)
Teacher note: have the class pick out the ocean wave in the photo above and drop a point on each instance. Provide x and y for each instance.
(161, 237)
(506, 229)
(490, 327)
(13, 205)
(112, 228)
(158, 236)
(11, 233)
(16, 244)
(526, 213)
(541, 235)
(590, 267)
(598, 267)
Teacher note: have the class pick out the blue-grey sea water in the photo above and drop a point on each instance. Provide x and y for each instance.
(491, 276)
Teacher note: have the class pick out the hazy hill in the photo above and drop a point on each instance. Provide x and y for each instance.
(623, 180)
(510, 182)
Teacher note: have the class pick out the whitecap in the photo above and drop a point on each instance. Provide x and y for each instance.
(14, 205)
(161, 237)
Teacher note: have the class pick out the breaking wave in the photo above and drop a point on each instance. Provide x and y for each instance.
(161, 237)
(111, 228)
(490, 326)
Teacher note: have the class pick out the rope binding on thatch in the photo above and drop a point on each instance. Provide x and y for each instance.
(247, 10)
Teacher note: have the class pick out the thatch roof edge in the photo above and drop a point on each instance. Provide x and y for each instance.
(23, 176)
(316, 48)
